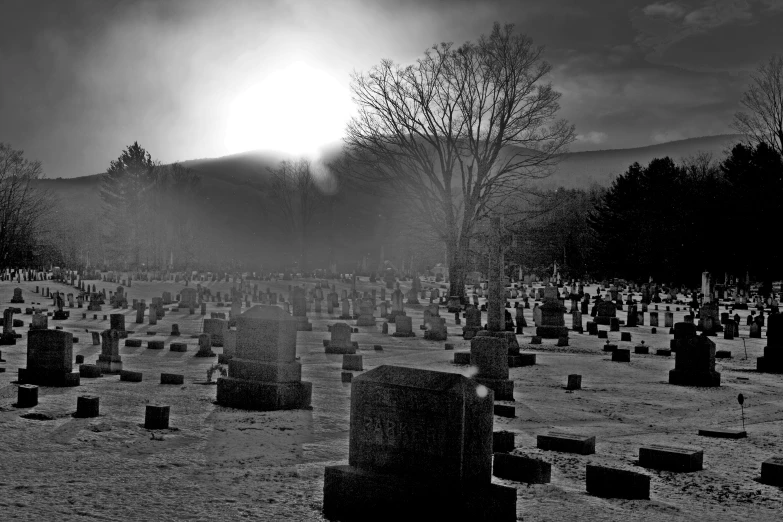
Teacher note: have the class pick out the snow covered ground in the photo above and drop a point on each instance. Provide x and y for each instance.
(222, 464)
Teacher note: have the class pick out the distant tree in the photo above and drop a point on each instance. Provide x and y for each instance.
(754, 175)
(556, 231)
(125, 191)
(23, 207)
(637, 223)
(296, 192)
(763, 123)
(457, 133)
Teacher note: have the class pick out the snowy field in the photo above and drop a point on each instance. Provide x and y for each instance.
(222, 464)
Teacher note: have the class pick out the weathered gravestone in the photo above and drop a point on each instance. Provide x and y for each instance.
(299, 302)
(472, 323)
(437, 330)
(404, 327)
(49, 359)
(109, 360)
(604, 312)
(39, 322)
(264, 374)
(366, 310)
(420, 448)
(341, 340)
(490, 356)
(552, 325)
(17, 298)
(188, 298)
(709, 318)
(117, 322)
(398, 307)
(216, 328)
(694, 363)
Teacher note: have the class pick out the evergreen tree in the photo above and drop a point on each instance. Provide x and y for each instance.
(124, 192)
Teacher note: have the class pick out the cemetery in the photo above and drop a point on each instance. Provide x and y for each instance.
(385, 287)
(341, 422)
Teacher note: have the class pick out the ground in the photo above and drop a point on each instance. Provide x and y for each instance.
(219, 463)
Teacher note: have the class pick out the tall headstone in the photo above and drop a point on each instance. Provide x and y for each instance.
(420, 447)
(299, 302)
(496, 299)
(472, 323)
(264, 374)
(398, 307)
(8, 337)
(109, 360)
(140, 306)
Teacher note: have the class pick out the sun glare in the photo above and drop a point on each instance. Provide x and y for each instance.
(295, 110)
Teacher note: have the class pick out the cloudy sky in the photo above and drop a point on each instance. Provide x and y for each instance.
(80, 80)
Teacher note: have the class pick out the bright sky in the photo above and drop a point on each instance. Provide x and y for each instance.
(81, 80)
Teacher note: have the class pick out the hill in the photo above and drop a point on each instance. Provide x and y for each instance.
(581, 169)
(237, 219)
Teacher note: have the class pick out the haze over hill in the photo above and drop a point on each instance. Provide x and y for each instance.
(239, 220)
(575, 170)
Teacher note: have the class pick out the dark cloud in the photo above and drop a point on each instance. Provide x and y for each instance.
(83, 79)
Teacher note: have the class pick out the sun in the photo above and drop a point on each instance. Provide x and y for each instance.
(295, 110)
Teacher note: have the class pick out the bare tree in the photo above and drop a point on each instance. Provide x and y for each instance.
(764, 101)
(457, 133)
(295, 191)
(22, 206)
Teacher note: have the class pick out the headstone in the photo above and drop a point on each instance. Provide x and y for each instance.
(17, 298)
(109, 360)
(49, 359)
(299, 303)
(264, 374)
(420, 447)
(490, 356)
(709, 318)
(604, 312)
(341, 340)
(216, 329)
(39, 322)
(694, 363)
(437, 330)
(404, 327)
(366, 309)
(472, 323)
(552, 323)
